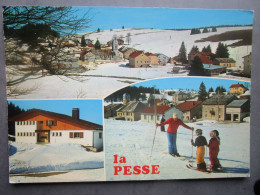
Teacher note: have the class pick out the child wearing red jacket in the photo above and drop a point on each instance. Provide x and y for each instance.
(213, 145)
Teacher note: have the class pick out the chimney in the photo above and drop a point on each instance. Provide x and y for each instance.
(75, 113)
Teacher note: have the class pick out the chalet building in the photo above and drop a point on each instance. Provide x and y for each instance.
(179, 96)
(205, 57)
(227, 62)
(247, 64)
(126, 51)
(237, 110)
(130, 110)
(212, 70)
(237, 89)
(110, 110)
(191, 109)
(153, 114)
(139, 59)
(162, 102)
(154, 60)
(162, 59)
(214, 108)
(97, 55)
(40, 126)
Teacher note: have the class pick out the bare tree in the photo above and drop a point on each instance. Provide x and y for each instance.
(128, 38)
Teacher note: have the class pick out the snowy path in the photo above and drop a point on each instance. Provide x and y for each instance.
(133, 140)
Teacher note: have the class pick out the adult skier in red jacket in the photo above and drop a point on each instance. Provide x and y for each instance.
(173, 123)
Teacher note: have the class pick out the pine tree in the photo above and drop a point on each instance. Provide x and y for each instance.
(220, 90)
(211, 90)
(182, 53)
(197, 67)
(205, 30)
(222, 51)
(97, 45)
(98, 30)
(202, 92)
(83, 41)
(194, 49)
(214, 29)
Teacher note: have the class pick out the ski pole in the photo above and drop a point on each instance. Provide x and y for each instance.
(192, 148)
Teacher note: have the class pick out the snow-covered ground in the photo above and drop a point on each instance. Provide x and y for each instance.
(63, 163)
(104, 79)
(133, 140)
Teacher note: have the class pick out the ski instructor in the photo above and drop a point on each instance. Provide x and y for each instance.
(174, 123)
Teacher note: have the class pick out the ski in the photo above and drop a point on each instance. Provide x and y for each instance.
(189, 166)
(183, 158)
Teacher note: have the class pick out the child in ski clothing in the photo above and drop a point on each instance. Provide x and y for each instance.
(174, 123)
(200, 143)
(213, 145)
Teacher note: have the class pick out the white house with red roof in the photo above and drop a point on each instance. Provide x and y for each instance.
(191, 109)
(40, 126)
(139, 59)
(153, 114)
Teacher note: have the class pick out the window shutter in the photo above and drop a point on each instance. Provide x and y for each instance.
(71, 135)
(81, 134)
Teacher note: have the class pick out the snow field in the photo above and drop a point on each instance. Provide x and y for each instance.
(33, 158)
(133, 140)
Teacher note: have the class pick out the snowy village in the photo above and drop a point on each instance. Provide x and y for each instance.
(131, 131)
(86, 95)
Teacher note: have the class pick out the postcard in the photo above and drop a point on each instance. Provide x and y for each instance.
(118, 93)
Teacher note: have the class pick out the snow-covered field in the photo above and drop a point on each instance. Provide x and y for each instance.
(133, 140)
(104, 79)
(63, 163)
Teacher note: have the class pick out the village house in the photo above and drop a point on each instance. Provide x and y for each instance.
(214, 108)
(138, 59)
(130, 110)
(40, 126)
(153, 114)
(97, 56)
(237, 110)
(237, 89)
(212, 70)
(110, 110)
(119, 41)
(162, 59)
(227, 62)
(126, 51)
(153, 58)
(205, 57)
(191, 110)
(162, 102)
(247, 64)
(179, 96)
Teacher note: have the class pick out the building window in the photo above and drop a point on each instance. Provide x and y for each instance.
(145, 117)
(57, 133)
(18, 134)
(100, 135)
(60, 134)
(76, 135)
(50, 123)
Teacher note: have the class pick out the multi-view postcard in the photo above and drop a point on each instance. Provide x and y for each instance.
(120, 94)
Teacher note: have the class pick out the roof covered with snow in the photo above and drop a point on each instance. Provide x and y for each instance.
(131, 107)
